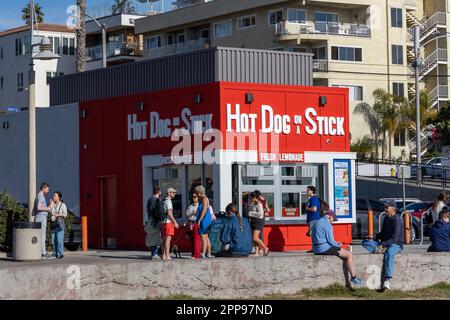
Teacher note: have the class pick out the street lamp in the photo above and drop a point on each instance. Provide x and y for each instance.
(44, 53)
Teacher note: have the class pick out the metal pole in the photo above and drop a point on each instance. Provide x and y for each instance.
(418, 128)
(103, 45)
(31, 123)
(404, 188)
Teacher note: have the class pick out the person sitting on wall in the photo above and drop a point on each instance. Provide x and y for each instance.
(312, 208)
(389, 242)
(440, 233)
(325, 245)
(236, 235)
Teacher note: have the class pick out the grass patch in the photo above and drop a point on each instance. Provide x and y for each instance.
(439, 291)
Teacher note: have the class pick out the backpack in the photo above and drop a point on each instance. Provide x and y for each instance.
(159, 213)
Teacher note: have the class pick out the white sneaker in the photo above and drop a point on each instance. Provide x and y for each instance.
(387, 285)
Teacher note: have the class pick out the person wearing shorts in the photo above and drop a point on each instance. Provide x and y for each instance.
(325, 245)
(203, 221)
(169, 224)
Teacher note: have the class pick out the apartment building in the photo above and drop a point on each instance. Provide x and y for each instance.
(122, 45)
(360, 44)
(15, 60)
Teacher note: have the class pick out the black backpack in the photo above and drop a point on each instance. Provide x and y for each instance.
(159, 213)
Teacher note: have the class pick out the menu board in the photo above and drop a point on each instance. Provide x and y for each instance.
(342, 188)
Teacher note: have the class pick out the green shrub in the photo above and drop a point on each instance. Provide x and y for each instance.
(10, 212)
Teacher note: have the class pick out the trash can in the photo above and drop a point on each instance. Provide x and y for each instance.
(27, 241)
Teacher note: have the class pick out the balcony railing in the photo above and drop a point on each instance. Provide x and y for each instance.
(181, 47)
(320, 65)
(330, 28)
(114, 49)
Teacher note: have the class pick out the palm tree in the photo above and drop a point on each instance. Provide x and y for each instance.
(81, 36)
(39, 14)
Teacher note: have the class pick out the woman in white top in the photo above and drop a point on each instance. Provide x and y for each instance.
(192, 228)
(439, 203)
(59, 214)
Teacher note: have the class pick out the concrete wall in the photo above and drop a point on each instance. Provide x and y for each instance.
(210, 278)
(57, 153)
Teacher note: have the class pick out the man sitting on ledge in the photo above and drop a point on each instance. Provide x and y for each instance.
(389, 242)
(325, 245)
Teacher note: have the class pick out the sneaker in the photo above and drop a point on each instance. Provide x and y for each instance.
(387, 284)
(357, 282)
(47, 256)
(61, 257)
(202, 256)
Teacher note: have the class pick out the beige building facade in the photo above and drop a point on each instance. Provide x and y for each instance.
(361, 44)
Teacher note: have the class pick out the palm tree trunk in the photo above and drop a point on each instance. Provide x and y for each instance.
(390, 144)
(383, 145)
(81, 36)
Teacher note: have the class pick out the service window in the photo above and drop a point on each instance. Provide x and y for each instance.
(290, 205)
(171, 178)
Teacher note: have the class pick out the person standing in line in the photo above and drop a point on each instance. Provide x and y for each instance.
(313, 208)
(439, 204)
(389, 242)
(192, 228)
(153, 225)
(169, 223)
(256, 214)
(203, 220)
(59, 214)
(41, 211)
(324, 245)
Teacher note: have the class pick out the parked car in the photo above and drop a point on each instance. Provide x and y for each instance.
(431, 167)
(417, 211)
(360, 228)
(399, 201)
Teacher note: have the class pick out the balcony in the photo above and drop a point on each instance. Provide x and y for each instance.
(182, 47)
(286, 28)
(320, 65)
(114, 49)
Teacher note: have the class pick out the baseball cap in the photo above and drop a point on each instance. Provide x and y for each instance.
(332, 214)
(390, 203)
(171, 190)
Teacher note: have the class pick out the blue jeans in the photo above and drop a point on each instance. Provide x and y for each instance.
(389, 256)
(58, 242)
(154, 250)
(42, 219)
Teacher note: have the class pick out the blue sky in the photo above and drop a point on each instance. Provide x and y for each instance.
(54, 10)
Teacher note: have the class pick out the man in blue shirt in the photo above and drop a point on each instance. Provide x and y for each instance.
(389, 242)
(312, 208)
(41, 211)
(325, 245)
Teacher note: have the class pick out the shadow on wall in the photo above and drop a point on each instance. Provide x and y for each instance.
(275, 239)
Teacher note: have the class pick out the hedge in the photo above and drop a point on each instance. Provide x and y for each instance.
(10, 212)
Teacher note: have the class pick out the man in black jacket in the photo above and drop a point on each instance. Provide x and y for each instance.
(389, 242)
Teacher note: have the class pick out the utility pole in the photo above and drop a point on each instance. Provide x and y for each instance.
(103, 27)
(31, 123)
(418, 127)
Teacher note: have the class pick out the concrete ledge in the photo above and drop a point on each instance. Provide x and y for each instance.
(211, 278)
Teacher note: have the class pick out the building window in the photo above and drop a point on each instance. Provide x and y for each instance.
(21, 46)
(72, 46)
(1, 52)
(397, 54)
(20, 82)
(173, 38)
(396, 18)
(320, 53)
(57, 46)
(1, 83)
(246, 22)
(355, 92)
(346, 54)
(296, 16)
(326, 17)
(153, 42)
(65, 46)
(222, 29)
(205, 34)
(275, 16)
(398, 89)
(400, 139)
